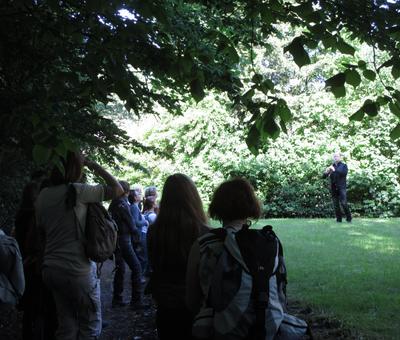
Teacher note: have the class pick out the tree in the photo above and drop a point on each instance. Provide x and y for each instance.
(60, 58)
(208, 144)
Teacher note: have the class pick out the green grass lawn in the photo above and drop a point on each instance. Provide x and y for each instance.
(349, 271)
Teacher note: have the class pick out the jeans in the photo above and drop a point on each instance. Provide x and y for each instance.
(126, 253)
(77, 301)
(143, 256)
(339, 198)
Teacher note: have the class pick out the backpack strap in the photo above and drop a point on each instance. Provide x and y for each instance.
(259, 250)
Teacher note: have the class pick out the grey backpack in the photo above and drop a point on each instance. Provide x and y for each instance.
(101, 233)
(243, 278)
(12, 279)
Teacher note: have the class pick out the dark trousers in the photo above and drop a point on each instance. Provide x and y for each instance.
(126, 253)
(143, 257)
(339, 197)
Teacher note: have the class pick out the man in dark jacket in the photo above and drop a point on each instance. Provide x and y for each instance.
(337, 172)
(127, 249)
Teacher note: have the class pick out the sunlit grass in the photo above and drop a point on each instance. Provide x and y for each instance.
(350, 271)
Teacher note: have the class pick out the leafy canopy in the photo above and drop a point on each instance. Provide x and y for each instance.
(59, 59)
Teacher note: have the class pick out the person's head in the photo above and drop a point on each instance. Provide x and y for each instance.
(73, 168)
(337, 157)
(149, 203)
(125, 186)
(234, 200)
(150, 191)
(135, 196)
(179, 221)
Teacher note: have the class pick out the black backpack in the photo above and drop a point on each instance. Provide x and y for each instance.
(238, 271)
(100, 232)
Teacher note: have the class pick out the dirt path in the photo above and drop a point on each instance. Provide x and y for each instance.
(124, 323)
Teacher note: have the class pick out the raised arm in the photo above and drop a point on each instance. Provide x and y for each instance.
(113, 188)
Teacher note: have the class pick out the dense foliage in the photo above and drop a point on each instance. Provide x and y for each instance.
(60, 61)
(60, 58)
(207, 144)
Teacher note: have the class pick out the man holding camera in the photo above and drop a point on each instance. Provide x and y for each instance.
(337, 173)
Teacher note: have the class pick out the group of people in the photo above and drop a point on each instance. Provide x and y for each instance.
(133, 222)
(158, 241)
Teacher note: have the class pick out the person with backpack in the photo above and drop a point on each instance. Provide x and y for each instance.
(129, 247)
(71, 276)
(236, 276)
(180, 222)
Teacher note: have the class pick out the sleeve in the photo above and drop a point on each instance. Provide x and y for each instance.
(127, 217)
(86, 193)
(137, 216)
(342, 170)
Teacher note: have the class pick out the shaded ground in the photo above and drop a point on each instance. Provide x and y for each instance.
(125, 323)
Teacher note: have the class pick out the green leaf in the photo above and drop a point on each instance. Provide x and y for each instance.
(231, 54)
(329, 42)
(358, 116)
(387, 63)
(352, 77)
(396, 70)
(270, 128)
(337, 80)
(362, 64)
(253, 139)
(383, 100)
(61, 150)
(395, 133)
(395, 108)
(41, 154)
(311, 43)
(196, 89)
(248, 96)
(283, 126)
(266, 86)
(298, 52)
(283, 111)
(370, 108)
(266, 14)
(257, 78)
(369, 74)
(338, 91)
(345, 48)
(69, 144)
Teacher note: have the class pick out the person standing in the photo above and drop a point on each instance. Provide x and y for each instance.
(180, 222)
(337, 173)
(141, 224)
(127, 250)
(61, 211)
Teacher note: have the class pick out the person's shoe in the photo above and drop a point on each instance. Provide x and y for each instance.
(119, 303)
(339, 221)
(348, 220)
